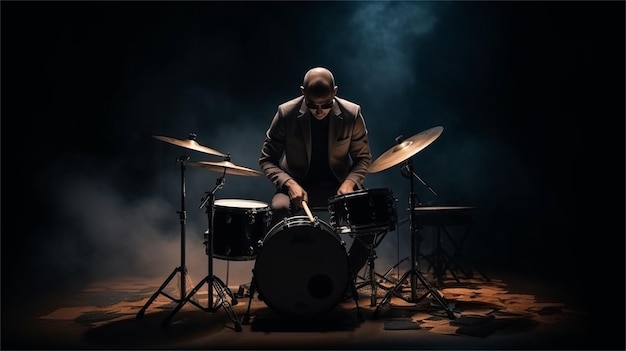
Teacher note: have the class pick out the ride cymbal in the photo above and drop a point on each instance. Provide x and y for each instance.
(190, 143)
(227, 166)
(405, 149)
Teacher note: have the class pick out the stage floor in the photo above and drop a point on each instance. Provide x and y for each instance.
(499, 312)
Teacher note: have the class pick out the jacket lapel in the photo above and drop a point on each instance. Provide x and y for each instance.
(335, 124)
(304, 124)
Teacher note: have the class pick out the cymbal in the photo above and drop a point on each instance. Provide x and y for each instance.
(189, 144)
(405, 149)
(227, 166)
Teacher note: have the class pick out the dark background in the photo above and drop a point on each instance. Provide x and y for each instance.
(530, 95)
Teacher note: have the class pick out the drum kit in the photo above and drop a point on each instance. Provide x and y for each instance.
(238, 231)
(213, 282)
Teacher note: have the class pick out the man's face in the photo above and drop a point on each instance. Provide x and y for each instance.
(319, 99)
(319, 107)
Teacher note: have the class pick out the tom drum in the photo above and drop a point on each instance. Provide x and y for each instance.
(238, 227)
(363, 211)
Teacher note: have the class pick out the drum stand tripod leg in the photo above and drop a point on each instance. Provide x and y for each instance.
(222, 291)
(182, 269)
(395, 266)
(414, 272)
(246, 317)
(213, 282)
(355, 296)
(371, 279)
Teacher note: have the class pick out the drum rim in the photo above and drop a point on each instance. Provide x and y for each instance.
(386, 191)
(261, 204)
(304, 219)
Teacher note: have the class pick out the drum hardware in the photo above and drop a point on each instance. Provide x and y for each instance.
(395, 266)
(191, 144)
(213, 282)
(402, 152)
(314, 260)
(182, 269)
(440, 260)
(370, 278)
(366, 215)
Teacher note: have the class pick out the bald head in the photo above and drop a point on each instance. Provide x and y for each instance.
(318, 82)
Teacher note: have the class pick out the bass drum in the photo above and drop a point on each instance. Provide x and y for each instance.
(302, 267)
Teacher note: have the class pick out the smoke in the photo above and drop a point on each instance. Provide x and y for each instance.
(379, 43)
(97, 232)
(382, 41)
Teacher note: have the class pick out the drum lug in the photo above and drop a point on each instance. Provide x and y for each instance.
(205, 242)
(251, 217)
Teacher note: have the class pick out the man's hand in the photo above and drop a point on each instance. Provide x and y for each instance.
(296, 193)
(346, 187)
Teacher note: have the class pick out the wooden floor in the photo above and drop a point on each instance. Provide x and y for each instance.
(501, 312)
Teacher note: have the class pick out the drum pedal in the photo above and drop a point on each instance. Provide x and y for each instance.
(244, 290)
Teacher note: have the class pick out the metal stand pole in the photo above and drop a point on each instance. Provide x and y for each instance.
(182, 269)
(414, 273)
(212, 281)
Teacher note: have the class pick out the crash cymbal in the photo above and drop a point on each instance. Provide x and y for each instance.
(227, 166)
(190, 143)
(405, 149)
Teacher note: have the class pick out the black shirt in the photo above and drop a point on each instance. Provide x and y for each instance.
(320, 182)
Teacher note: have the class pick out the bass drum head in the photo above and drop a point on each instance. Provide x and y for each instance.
(302, 267)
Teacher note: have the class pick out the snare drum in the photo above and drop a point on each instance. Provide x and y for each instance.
(363, 211)
(302, 267)
(238, 226)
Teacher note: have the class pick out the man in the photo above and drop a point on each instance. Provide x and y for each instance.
(316, 147)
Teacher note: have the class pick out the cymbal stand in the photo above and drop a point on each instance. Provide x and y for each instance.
(212, 281)
(414, 273)
(182, 269)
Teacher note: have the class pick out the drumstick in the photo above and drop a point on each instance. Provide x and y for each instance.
(308, 212)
